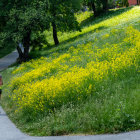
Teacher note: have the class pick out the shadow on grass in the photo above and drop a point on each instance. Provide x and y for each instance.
(64, 48)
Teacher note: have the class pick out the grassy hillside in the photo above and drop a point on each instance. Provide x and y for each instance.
(88, 84)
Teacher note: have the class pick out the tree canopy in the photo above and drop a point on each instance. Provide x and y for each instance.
(22, 18)
(62, 16)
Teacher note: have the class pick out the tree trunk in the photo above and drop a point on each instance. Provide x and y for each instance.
(20, 58)
(105, 5)
(24, 56)
(55, 33)
(26, 53)
(94, 9)
(26, 44)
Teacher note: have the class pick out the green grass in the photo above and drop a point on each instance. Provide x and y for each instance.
(111, 110)
(114, 106)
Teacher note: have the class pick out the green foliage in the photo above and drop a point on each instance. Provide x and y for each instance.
(24, 16)
(98, 6)
(111, 3)
(96, 2)
(38, 40)
(122, 3)
(22, 19)
(63, 15)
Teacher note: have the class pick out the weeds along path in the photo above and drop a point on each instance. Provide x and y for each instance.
(8, 131)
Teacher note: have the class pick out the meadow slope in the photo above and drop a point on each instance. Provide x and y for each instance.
(88, 84)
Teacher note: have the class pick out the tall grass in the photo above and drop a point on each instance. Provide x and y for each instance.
(88, 84)
(75, 75)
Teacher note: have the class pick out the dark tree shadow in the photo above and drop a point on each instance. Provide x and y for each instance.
(70, 42)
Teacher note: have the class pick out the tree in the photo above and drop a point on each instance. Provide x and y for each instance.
(92, 4)
(62, 16)
(98, 6)
(105, 5)
(22, 19)
(122, 3)
(125, 3)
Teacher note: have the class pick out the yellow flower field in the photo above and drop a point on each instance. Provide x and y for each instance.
(49, 83)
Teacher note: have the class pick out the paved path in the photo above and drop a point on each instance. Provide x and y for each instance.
(6, 61)
(8, 130)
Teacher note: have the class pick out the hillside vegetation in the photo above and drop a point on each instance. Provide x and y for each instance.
(88, 84)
